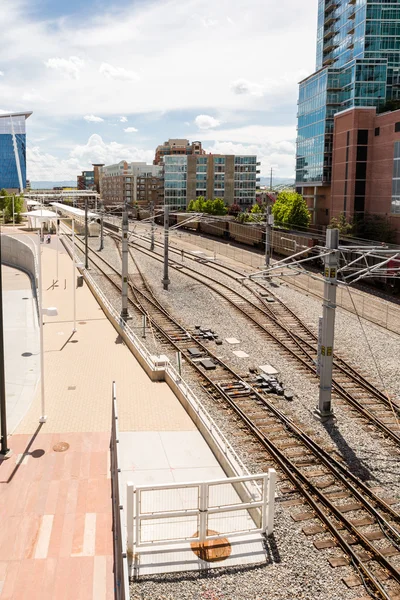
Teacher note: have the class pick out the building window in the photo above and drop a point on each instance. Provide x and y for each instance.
(362, 136)
(395, 205)
(397, 126)
(377, 131)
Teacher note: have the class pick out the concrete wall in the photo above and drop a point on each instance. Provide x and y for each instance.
(16, 253)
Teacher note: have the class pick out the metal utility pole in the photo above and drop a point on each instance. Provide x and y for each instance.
(86, 235)
(268, 234)
(101, 225)
(4, 450)
(152, 226)
(327, 330)
(270, 181)
(125, 228)
(13, 201)
(166, 280)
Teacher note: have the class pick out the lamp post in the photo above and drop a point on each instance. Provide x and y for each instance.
(4, 451)
(43, 417)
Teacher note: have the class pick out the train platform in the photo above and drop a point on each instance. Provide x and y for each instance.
(55, 489)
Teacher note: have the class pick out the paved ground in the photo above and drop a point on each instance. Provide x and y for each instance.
(55, 507)
(21, 341)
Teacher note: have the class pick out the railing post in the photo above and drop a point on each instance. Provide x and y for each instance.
(271, 500)
(129, 515)
(203, 512)
(136, 517)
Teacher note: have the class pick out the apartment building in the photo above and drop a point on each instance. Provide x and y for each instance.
(232, 178)
(135, 183)
(177, 147)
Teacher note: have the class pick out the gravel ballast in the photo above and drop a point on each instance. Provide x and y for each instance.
(295, 568)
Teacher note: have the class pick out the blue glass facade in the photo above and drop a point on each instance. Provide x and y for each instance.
(358, 64)
(12, 127)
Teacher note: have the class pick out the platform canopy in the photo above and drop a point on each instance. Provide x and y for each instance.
(72, 211)
(39, 216)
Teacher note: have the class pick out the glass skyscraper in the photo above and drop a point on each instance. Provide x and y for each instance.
(13, 145)
(358, 64)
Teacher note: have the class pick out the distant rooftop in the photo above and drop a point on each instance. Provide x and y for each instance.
(17, 114)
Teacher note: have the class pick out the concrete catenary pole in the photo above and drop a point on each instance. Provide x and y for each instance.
(101, 225)
(267, 235)
(152, 226)
(324, 408)
(125, 228)
(166, 280)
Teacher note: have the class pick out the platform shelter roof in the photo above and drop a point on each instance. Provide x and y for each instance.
(72, 210)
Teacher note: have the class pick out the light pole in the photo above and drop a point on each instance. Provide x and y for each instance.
(73, 273)
(43, 417)
(86, 235)
(4, 450)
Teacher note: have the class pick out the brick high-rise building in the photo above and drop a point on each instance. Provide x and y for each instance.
(177, 147)
(366, 165)
(135, 183)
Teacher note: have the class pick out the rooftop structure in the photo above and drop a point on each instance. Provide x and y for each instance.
(180, 147)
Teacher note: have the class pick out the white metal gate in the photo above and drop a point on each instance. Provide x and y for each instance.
(199, 511)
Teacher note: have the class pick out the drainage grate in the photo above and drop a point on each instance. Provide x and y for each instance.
(61, 447)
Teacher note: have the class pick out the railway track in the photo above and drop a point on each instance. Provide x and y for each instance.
(300, 344)
(344, 512)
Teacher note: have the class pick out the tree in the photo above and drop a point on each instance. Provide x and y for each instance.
(8, 208)
(209, 207)
(375, 228)
(257, 213)
(290, 210)
(234, 209)
(3, 194)
(345, 227)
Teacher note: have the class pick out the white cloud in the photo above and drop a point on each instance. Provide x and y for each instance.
(70, 67)
(130, 130)
(93, 119)
(45, 166)
(206, 122)
(1, 73)
(33, 96)
(123, 120)
(117, 73)
(242, 86)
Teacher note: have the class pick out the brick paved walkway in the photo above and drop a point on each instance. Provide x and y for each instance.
(55, 507)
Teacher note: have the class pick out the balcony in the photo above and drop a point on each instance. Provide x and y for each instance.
(330, 32)
(330, 6)
(330, 45)
(330, 19)
(328, 60)
(352, 14)
(352, 1)
(350, 30)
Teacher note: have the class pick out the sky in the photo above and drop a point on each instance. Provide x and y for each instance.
(109, 82)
